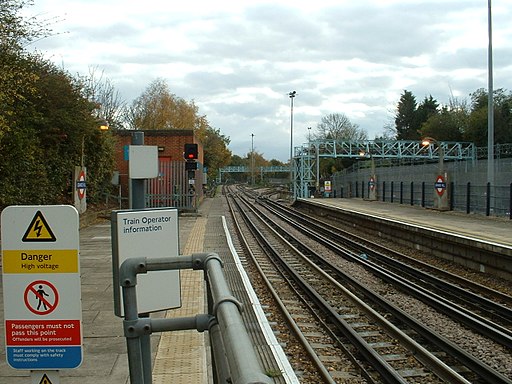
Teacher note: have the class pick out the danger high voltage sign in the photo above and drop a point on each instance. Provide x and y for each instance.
(41, 285)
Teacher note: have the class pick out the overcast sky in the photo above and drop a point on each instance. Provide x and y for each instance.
(238, 60)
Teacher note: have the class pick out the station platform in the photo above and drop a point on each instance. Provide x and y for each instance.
(183, 357)
(179, 357)
(487, 228)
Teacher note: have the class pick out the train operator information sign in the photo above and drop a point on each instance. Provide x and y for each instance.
(150, 233)
(41, 285)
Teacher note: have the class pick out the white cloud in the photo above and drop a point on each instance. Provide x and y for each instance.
(239, 60)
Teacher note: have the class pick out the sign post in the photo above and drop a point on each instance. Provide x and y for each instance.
(79, 189)
(41, 285)
(327, 187)
(372, 184)
(148, 233)
(441, 201)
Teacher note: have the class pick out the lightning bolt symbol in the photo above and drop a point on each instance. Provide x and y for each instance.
(38, 227)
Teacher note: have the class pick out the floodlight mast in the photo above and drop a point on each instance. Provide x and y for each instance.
(292, 95)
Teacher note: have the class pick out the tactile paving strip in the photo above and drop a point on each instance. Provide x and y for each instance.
(181, 355)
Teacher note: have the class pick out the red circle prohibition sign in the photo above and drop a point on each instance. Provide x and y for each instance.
(44, 306)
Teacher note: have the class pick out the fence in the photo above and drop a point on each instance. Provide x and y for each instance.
(234, 357)
(174, 186)
(413, 184)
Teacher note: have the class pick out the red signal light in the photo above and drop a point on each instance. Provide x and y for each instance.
(190, 152)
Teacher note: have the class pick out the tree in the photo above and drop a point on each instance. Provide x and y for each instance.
(478, 118)
(158, 108)
(405, 119)
(51, 131)
(337, 126)
(460, 111)
(276, 163)
(477, 128)
(109, 105)
(426, 109)
(236, 161)
(46, 123)
(442, 126)
(216, 152)
(17, 32)
(15, 78)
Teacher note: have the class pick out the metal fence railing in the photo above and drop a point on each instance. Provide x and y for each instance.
(467, 188)
(175, 187)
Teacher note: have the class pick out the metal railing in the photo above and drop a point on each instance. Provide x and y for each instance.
(469, 198)
(234, 357)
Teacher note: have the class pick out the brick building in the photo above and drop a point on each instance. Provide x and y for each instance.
(174, 186)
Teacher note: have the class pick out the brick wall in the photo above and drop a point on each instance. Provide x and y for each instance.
(170, 145)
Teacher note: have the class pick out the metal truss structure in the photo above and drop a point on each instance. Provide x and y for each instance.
(307, 157)
(245, 169)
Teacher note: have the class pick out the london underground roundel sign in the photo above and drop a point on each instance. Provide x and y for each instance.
(440, 185)
(81, 185)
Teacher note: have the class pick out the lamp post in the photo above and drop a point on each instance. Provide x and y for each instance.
(252, 159)
(80, 173)
(310, 178)
(428, 141)
(490, 103)
(292, 95)
(441, 201)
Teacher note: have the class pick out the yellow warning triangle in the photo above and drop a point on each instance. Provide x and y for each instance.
(45, 380)
(39, 230)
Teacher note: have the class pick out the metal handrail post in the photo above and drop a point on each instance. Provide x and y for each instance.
(133, 342)
(242, 359)
(244, 366)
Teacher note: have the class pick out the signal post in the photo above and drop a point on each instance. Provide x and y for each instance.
(191, 154)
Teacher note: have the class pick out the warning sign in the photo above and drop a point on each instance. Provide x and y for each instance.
(39, 332)
(45, 377)
(45, 380)
(41, 287)
(39, 230)
(41, 297)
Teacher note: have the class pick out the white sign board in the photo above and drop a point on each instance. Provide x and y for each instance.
(41, 285)
(150, 233)
(143, 163)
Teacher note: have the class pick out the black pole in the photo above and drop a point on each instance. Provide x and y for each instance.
(423, 194)
(392, 191)
(451, 192)
(412, 192)
(468, 197)
(488, 203)
(401, 192)
(510, 204)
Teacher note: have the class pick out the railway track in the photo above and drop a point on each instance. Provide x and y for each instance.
(346, 338)
(446, 292)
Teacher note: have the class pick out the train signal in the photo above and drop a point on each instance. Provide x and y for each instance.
(190, 165)
(190, 152)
